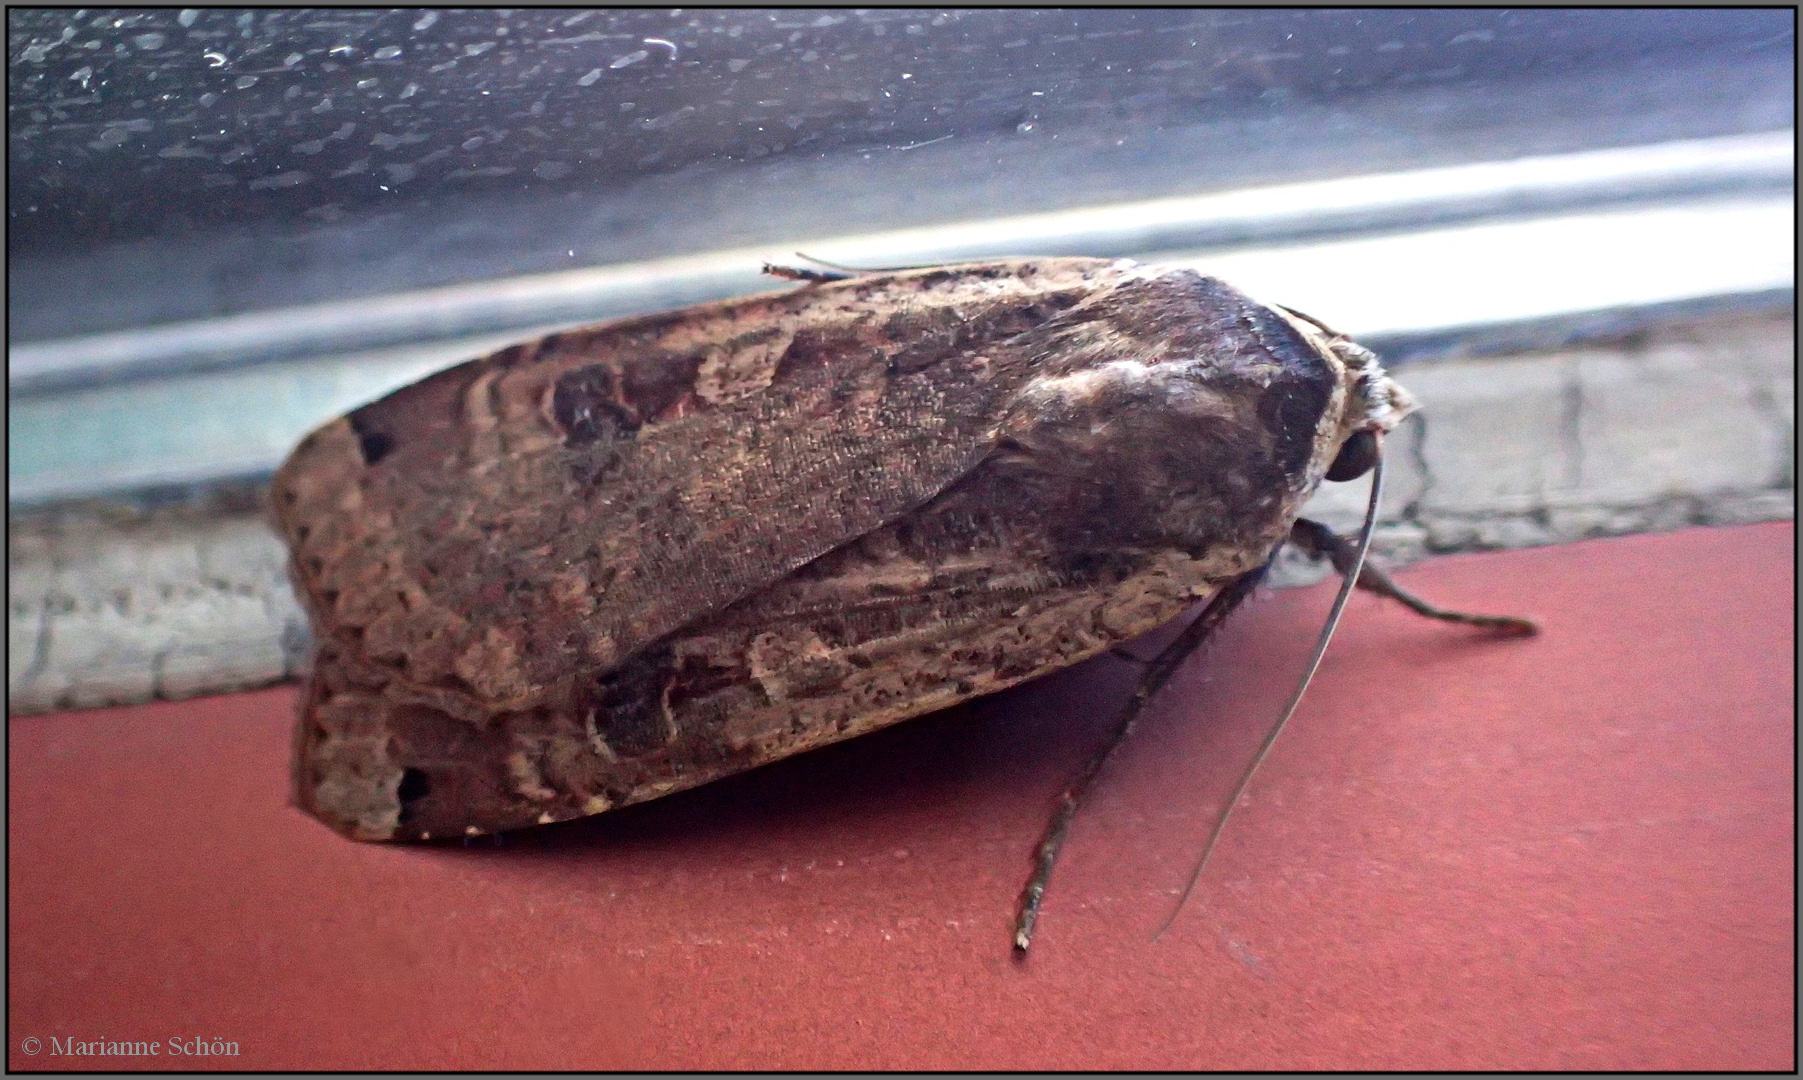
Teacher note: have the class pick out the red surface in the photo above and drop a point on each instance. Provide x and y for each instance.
(1573, 852)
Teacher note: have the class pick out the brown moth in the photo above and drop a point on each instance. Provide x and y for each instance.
(632, 558)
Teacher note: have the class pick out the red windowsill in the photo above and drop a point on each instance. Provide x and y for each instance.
(1572, 852)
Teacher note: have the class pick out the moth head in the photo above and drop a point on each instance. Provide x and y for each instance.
(1374, 402)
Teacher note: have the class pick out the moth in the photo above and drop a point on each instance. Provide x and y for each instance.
(624, 560)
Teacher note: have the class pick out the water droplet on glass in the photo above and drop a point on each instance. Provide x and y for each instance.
(187, 16)
(214, 58)
(386, 52)
(629, 59)
(245, 82)
(425, 20)
(148, 42)
(590, 79)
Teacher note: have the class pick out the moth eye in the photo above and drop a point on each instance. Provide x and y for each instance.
(1357, 455)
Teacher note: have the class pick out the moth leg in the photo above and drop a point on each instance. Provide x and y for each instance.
(1316, 539)
(794, 273)
(1158, 671)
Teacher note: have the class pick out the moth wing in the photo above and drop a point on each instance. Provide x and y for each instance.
(555, 507)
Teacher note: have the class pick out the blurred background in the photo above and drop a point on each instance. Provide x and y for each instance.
(1572, 230)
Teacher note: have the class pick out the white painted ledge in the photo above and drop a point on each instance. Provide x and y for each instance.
(1419, 252)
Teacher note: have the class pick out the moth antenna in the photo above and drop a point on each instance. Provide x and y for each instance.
(869, 269)
(834, 271)
(1311, 320)
(796, 273)
(1289, 710)
(839, 266)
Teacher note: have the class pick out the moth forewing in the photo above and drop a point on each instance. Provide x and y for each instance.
(620, 561)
